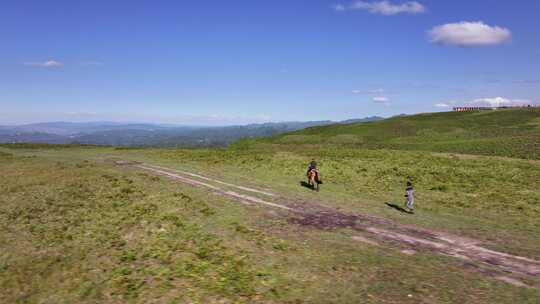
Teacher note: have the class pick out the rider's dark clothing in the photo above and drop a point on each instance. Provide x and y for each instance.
(312, 166)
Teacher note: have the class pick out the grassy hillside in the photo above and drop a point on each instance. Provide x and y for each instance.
(511, 133)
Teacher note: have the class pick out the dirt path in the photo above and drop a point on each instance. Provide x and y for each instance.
(244, 198)
(516, 270)
(216, 181)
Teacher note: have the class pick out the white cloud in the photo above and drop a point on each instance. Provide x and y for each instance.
(442, 105)
(386, 8)
(500, 102)
(469, 34)
(381, 99)
(375, 91)
(46, 64)
(339, 7)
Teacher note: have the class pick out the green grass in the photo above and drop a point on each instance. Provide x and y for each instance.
(81, 232)
(96, 234)
(75, 229)
(509, 132)
(481, 197)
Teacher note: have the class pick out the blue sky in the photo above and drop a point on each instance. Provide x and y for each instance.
(231, 62)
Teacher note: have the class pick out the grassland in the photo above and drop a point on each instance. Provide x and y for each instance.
(76, 229)
(509, 132)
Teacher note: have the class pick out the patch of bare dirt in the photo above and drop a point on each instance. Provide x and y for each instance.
(408, 251)
(125, 162)
(512, 281)
(416, 239)
(242, 198)
(326, 220)
(213, 180)
(364, 240)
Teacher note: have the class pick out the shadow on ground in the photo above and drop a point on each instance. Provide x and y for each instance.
(307, 185)
(398, 208)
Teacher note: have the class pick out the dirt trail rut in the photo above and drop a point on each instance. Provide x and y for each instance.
(236, 195)
(410, 239)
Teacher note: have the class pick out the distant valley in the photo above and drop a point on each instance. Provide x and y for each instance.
(155, 135)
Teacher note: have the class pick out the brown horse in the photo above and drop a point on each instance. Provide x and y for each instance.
(313, 179)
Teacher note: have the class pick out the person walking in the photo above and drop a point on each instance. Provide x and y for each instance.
(409, 194)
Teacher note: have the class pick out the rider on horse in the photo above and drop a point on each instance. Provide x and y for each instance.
(313, 175)
(313, 167)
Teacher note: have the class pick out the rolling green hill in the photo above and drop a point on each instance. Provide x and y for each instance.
(509, 133)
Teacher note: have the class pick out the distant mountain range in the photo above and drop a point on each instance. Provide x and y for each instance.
(139, 134)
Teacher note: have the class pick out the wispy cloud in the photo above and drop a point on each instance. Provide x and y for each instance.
(374, 91)
(339, 7)
(492, 81)
(488, 102)
(47, 64)
(527, 81)
(500, 102)
(386, 8)
(381, 100)
(442, 105)
(469, 34)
